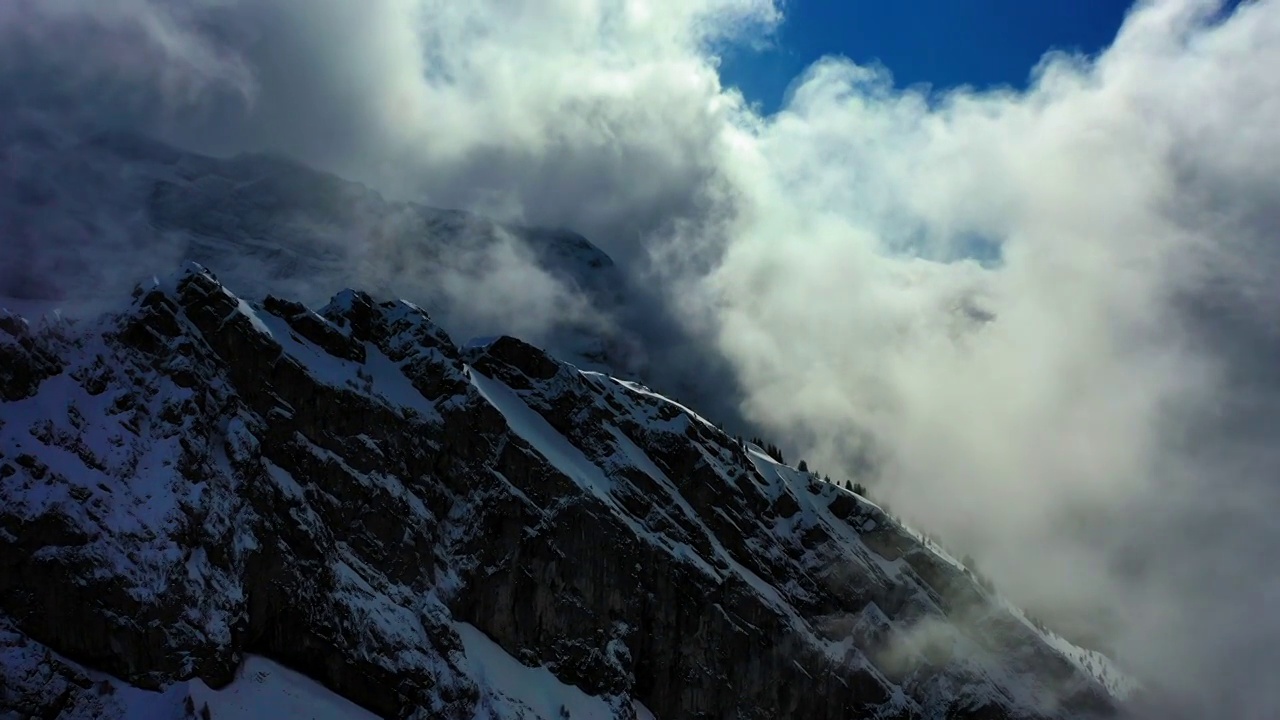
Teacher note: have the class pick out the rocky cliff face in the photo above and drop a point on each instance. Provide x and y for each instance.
(199, 480)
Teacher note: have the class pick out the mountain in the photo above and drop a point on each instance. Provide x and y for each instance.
(90, 214)
(258, 508)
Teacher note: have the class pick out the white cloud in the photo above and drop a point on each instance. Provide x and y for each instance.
(1121, 190)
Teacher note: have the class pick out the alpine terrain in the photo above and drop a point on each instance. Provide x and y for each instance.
(215, 506)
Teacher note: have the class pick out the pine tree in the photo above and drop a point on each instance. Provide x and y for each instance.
(803, 466)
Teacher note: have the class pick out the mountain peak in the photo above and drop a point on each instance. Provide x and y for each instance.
(202, 483)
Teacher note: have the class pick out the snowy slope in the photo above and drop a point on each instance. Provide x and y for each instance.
(261, 690)
(513, 691)
(201, 490)
(266, 690)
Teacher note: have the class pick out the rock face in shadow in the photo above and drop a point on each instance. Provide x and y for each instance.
(199, 478)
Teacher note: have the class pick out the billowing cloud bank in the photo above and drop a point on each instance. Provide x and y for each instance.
(1048, 315)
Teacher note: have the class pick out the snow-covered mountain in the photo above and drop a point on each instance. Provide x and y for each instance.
(260, 508)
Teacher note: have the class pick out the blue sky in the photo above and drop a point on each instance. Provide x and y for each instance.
(944, 43)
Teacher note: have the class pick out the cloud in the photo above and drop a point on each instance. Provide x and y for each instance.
(471, 105)
(142, 60)
(485, 280)
(1088, 411)
(1086, 407)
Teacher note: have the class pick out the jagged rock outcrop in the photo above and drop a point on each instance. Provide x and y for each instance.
(198, 479)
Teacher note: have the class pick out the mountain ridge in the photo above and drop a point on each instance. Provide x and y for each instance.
(200, 479)
(91, 213)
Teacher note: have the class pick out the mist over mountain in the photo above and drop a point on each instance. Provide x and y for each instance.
(92, 212)
(1039, 323)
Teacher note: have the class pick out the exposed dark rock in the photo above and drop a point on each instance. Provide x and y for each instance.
(25, 360)
(510, 354)
(315, 328)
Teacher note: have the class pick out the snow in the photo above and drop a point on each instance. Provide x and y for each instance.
(248, 311)
(779, 479)
(642, 460)
(379, 374)
(641, 390)
(266, 690)
(262, 690)
(343, 301)
(513, 690)
(284, 480)
(569, 460)
(123, 486)
(1091, 662)
(548, 441)
(390, 383)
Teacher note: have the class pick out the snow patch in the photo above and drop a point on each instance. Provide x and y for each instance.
(548, 441)
(513, 691)
(262, 690)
